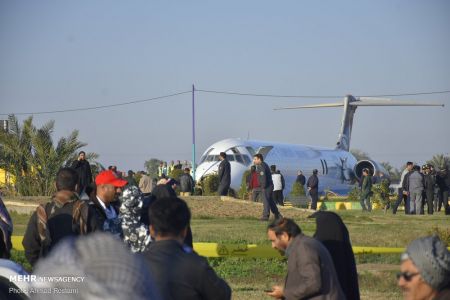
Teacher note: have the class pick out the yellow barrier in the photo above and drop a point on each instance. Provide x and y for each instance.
(247, 250)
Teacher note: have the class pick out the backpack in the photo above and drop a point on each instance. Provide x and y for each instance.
(44, 212)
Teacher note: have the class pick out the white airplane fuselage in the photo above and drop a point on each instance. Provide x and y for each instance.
(335, 166)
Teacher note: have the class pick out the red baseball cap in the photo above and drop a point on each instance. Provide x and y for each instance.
(108, 177)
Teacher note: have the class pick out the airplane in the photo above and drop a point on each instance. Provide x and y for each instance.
(338, 168)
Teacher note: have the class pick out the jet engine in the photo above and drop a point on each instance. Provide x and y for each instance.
(372, 165)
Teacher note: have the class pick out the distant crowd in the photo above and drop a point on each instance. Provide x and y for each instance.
(418, 187)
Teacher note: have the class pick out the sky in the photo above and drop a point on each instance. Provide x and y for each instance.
(59, 55)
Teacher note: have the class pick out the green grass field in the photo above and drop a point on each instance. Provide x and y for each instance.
(215, 220)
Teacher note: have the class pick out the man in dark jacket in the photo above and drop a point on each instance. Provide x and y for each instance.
(66, 215)
(366, 190)
(443, 183)
(301, 178)
(402, 192)
(224, 174)
(179, 273)
(83, 168)
(311, 273)
(266, 185)
(429, 183)
(105, 202)
(186, 183)
(313, 189)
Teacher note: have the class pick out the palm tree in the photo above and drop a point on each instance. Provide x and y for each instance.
(29, 154)
(440, 161)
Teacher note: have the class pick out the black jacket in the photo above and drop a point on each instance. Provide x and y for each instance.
(186, 183)
(313, 183)
(225, 173)
(84, 173)
(99, 213)
(405, 183)
(301, 179)
(182, 275)
(443, 180)
(264, 176)
(429, 182)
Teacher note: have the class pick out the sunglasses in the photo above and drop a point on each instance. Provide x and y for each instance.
(406, 275)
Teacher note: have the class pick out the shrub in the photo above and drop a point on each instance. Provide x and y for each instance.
(297, 190)
(243, 192)
(354, 194)
(210, 184)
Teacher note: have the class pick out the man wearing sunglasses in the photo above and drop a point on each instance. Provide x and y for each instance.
(425, 270)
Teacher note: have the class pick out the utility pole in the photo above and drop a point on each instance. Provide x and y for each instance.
(193, 132)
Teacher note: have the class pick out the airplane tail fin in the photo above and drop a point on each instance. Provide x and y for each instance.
(350, 104)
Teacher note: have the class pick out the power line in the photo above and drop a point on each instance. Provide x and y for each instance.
(316, 96)
(217, 92)
(96, 107)
(263, 95)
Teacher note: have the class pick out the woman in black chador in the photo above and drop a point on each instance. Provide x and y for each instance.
(333, 234)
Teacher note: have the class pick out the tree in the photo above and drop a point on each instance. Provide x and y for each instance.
(394, 173)
(439, 161)
(359, 154)
(152, 167)
(30, 155)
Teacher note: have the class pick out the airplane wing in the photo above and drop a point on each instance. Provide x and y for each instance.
(370, 101)
(366, 101)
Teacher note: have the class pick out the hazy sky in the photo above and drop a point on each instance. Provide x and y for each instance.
(57, 55)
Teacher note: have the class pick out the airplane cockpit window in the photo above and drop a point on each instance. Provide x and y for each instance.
(240, 158)
(211, 158)
(204, 157)
(264, 150)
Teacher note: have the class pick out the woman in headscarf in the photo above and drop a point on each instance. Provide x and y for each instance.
(333, 233)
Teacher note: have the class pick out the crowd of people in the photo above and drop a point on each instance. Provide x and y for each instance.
(135, 244)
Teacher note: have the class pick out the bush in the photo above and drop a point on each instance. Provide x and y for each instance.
(297, 190)
(210, 184)
(243, 192)
(354, 194)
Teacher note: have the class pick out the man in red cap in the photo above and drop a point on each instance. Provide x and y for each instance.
(109, 186)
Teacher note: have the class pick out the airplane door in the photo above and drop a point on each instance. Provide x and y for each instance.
(264, 150)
